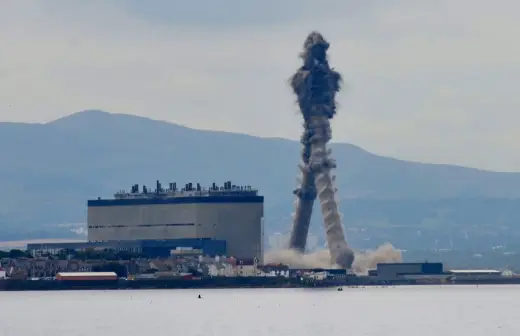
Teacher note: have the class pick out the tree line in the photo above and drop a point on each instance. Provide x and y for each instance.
(67, 254)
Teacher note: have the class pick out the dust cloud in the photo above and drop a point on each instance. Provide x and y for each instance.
(315, 85)
(363, 261)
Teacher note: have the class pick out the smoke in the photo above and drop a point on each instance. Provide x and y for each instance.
(294, 259)
(367, 260)
(315, 85)
(364, 260)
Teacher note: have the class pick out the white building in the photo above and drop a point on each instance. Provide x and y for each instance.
(233, 269)
(246, 270)
(475, 272)
(223, 269)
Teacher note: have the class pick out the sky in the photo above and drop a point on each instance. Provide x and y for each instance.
(428, 81)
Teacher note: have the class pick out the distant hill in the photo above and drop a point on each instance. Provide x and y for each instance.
(49, 170)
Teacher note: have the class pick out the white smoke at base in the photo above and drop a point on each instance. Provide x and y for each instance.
(363, 262)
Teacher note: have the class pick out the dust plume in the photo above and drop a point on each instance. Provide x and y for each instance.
(368, 260)
(364, 260)
(315, 85)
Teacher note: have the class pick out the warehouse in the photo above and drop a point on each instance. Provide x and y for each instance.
(475, 274)
(394, 271)
(230, 213)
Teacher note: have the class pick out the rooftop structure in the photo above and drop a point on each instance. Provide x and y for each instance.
(190, 193)
(475, 272)
(228, 189)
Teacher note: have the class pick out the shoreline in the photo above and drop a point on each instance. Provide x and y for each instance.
(230, 283)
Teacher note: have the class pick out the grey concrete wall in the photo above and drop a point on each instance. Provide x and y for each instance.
(239, 224)
(166, 221)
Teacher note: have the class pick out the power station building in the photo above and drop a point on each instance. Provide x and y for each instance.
(226, 220)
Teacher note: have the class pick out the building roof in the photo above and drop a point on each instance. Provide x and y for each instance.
(425, 276)
(174, 200)
(82, 274)
(475, 271)
(408, 264)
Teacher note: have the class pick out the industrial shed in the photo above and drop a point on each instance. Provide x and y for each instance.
(82, 276)
(393, 271)
(475, 272)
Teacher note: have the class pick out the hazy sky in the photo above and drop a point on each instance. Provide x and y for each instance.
(425, 80)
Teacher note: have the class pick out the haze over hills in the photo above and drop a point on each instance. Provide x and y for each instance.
(48, 172)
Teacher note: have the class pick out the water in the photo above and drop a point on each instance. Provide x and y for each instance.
(402, 311)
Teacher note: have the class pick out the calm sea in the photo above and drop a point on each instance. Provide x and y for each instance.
(400, 311)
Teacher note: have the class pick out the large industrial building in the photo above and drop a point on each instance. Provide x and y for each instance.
(228, 217)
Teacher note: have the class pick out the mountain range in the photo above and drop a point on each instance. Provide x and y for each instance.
(48, 171)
